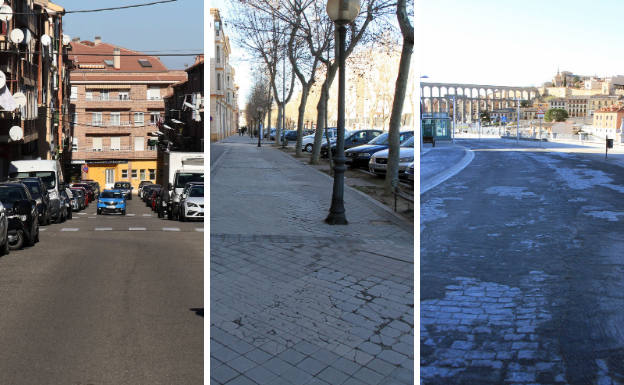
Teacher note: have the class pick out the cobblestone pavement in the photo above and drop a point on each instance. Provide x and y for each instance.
(295, 301)
(521, 271)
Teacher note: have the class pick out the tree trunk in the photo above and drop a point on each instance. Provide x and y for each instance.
(321, 112)
(392, 171)
(279, 125)
(305, 90)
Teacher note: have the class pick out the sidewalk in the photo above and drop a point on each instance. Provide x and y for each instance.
(441, 162)
(296, 301)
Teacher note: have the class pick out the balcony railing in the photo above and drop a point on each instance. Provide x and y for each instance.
(109, 149)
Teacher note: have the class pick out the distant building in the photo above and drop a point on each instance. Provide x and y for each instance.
(608, 121)
(117, 99)
(224, 114)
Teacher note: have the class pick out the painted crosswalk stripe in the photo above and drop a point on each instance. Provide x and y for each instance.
(136, 228)
(171, 229)
(200, 229)
(103, 228)
(81, 213)
(70, 229)
(42, 229)
(147, 215)
(130, 215)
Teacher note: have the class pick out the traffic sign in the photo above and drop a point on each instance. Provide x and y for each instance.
(85, 168)
(540, 113)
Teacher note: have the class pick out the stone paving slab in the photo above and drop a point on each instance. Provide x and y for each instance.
(297, 301)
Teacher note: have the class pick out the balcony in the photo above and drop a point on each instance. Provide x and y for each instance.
(121, 128)
(124, 152)
(98, 102)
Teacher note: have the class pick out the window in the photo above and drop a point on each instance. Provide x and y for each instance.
(138, 119)
(96, 118)
(151, 147)
(153, 93)
(115, 119)
(104, 95)
(152, 174)
(124, 174)
(138, 143)
(75, 118)
(145, 63)
(89, 95)
(218, 54)
(154, 117)
(74, 144)
(134, 174)
(218, 81)
(142, 174)
(97, 144)
(115, 143)
(124, 95)
(74, 93)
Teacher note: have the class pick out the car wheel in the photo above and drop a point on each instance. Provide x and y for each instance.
(99, 211)
(123, 212)
(18, 241)
(69, 213)
(170, 214)
(5, 248)
(182, 217)
(309, 147)
(36, 240)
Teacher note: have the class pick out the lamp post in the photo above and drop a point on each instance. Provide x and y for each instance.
(342, 12)
(259, 109)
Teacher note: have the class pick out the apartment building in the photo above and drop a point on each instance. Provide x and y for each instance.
(34, 72)
(116, 95)
(223, 90)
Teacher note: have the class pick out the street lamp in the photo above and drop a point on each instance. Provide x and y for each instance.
(342, 12)
(259, 109)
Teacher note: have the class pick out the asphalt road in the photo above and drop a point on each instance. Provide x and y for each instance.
(105, 300)
(521, 270)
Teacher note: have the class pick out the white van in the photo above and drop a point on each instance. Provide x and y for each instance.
(50, 173)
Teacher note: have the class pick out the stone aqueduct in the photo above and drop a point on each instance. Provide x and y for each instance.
(471, 99)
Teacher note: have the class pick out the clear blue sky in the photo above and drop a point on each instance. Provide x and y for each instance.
(519, 42)
(163, 27)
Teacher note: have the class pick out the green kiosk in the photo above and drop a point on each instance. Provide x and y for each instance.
(435, 126)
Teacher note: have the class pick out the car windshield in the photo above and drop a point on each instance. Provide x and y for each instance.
(34, 188)
(48, 177)
(77, 191)
(122, 185)
(408, 143)
(381, 139)
(110, 194)
(183, 178)
(10, 194)
(196, 192)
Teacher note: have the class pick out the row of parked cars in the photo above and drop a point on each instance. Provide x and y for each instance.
(190, 207)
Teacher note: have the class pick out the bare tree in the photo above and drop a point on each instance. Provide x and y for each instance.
(392, 172)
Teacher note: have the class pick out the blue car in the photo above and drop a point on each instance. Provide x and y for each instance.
(111, 201)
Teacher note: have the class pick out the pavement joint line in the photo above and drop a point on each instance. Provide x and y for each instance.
(103, 229)
(216, 162)
(448, 173)
(136, 229)
(171, 229)
(70, 229)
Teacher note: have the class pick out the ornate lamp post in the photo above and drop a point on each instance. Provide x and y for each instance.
(259, 109)
(342, 12)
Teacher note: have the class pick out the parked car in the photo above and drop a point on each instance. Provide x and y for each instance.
(356, 138)
(50, 173)
(85, 193)
(359, 156)
(66, 201)
(39, 193)
(22, 215)
(94, 185)
(155, 193)
(307, 142)
(192, 202)
(409, 172)
(88, 187)
(125, 188)
(379, 161)
(146, 192)
(141, 185)
(270, 133)
(4, 230)
(111, 201)
(79, 193)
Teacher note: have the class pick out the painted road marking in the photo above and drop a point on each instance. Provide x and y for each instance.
(42, 229)
(200, 229)
(81, 213)
(147, 215)
(171, 229)
(136, 228)
(70, 229)
(103, 228)
(130, 215)
(92, 217)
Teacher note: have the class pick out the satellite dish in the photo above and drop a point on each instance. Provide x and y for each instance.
(2, 79)
(66, 39)
(16, 133)
(6, 13)
(16, 35)
(46, 40)
(20, 99)
(27, 35)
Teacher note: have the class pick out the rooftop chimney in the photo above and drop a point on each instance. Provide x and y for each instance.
(98, 40)
(116, 59)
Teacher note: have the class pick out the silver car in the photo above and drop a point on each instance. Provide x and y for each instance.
(379, 161)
